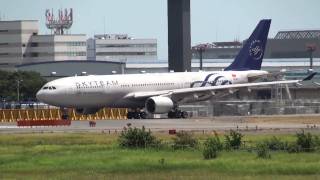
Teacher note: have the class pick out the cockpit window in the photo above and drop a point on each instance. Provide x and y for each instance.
(49, 87)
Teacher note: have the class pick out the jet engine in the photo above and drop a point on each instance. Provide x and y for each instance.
(86, 111)
(159, 105)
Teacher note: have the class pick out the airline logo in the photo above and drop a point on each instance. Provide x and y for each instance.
(255, 50)
(213, 79)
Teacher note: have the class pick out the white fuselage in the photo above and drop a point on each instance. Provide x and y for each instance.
(111, 90)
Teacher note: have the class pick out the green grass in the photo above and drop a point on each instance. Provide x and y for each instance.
(97, 156)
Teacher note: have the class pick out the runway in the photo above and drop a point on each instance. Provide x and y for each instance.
(249, 124)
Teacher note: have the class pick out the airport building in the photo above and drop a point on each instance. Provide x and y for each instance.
(15, 37)
(20, 43)
(57, 69)
(217, 50)
(57, 48)
(121, 48)
(294, 44)
(286, 44)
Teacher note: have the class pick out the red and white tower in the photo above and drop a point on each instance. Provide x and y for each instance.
(61, 23)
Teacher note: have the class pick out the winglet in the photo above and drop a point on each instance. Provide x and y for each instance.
(308, 78)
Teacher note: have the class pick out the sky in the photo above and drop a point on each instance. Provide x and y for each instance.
(211, 20)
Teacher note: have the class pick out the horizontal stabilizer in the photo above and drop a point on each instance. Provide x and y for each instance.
(308, 78)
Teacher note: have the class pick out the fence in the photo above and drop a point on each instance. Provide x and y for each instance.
(13, 115)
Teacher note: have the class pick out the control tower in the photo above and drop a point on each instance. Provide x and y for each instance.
(62, 22)
(179, 35)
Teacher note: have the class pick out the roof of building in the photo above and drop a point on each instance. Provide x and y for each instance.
(230, 44)
(69, 61)
(283, 62)
(42, 35)
(298, 34)
(19, 21)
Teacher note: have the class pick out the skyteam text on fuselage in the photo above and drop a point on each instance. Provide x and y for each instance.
(160, 93)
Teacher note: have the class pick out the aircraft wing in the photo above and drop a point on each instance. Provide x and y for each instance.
(274, 75)
(202, 93)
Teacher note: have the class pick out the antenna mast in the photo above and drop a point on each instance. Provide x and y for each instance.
(61, 23)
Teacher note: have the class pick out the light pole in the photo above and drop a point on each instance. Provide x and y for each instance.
(311, 48)
(18, 89)
(3, 103)
(200, 49)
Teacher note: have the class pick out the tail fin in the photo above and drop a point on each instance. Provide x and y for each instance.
(251, 55)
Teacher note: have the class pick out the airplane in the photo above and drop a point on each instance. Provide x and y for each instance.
(162, 93)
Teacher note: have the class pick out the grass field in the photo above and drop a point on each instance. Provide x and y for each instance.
(97, 156)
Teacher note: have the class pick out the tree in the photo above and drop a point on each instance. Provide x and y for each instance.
(29, 84)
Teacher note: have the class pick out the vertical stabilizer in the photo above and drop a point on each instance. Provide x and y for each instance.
(251, 55)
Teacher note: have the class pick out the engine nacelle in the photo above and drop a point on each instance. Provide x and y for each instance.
(159, 105)
(86, 111)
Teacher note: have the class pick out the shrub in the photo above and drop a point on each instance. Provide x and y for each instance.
(306, 141)
(211, 147)
(316, 141)
(137, 138)
(162, 161)
(276, 144)
(263, 151)
(233, 140)
(293, 148)
(183, 140)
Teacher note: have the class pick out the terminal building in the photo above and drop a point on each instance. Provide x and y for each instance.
(293, 44)
(121, 48)
(15, 37)
(58, 69)
(286, 44)
(20, 43)
(57, 48)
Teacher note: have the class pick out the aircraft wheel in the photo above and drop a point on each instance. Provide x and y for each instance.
(130, 115)
(171, 114)
(178, 114)
(184, 114)
(137, 115)
(143, 115)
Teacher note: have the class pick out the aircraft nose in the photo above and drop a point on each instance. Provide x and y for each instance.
(39, 95)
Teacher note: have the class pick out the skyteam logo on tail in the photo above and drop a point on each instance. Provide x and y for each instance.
(251, 55)
(255, 50)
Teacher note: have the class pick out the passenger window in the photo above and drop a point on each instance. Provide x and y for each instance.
(50, 88)
(53, 87)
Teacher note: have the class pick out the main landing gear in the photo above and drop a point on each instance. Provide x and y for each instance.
(177, 114)
(136, 114)
(173, 114)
